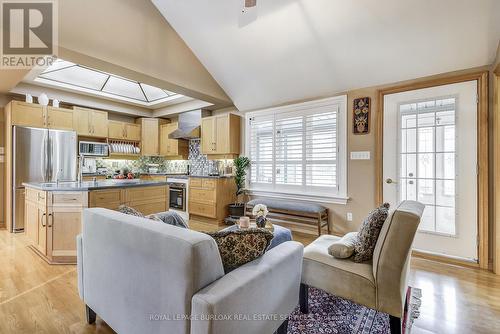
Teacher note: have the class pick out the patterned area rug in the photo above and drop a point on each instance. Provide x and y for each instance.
(330, 314)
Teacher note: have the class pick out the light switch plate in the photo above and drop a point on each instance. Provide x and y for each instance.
(349, 216)
(360, 155)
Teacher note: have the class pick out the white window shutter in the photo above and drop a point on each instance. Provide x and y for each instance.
(261, 149)
(321, 149)
(299, 148)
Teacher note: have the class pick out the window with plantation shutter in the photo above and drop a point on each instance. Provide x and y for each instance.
(261, 150)
(299, 149)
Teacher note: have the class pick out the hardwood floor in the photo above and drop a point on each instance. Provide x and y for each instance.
(39, 298)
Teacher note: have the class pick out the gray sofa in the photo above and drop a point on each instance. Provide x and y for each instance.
(141, 276)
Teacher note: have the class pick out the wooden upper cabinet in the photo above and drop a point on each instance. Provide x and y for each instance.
(222, 145)
(220, 135)
(208, 135)
(116, 130)
(90, 123)
(28, 114)
(132, 131)
(35, 115)
(59, 118)
(81, 121)
(122, 130)
(99, 123)
(150, 135)
(177, 148)
(165, 142)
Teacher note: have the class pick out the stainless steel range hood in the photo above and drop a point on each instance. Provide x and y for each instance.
(189, 126)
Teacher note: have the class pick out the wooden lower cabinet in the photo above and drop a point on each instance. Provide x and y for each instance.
(148, 200)
(209, 198)
(35, 218)
(64, 224)
(52, 219)
(41, 244)
(106, 198)
(52, 222)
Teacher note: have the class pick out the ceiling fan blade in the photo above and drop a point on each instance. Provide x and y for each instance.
(250, 3)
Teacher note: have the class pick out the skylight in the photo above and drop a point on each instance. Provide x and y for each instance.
(68, 75)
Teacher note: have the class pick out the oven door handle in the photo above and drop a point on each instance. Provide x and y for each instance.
(177, 190)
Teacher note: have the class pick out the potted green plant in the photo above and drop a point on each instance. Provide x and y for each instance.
(237, 209)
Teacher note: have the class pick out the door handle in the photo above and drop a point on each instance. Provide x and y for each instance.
(51, 220)
(41, 220)
(44, 161)
(390, 181)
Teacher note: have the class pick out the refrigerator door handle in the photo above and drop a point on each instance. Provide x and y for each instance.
(43, 165)
(50, 162)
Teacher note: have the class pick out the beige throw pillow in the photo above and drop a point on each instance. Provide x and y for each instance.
(344, 248)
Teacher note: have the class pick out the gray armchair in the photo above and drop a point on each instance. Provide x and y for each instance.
(381, 284)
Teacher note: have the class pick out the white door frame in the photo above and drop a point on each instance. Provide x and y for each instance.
(482, 159)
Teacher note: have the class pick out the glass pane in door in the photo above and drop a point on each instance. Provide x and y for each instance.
(427, 137)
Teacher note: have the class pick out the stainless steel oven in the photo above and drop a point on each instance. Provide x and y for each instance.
(177, 198)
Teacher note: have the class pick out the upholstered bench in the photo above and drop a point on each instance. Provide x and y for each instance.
(296, 215)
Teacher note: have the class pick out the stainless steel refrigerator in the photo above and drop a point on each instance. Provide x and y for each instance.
(40, 155)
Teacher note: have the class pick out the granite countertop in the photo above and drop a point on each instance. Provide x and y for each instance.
(90, 185)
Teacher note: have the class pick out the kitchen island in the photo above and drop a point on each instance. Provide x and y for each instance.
(53, 210)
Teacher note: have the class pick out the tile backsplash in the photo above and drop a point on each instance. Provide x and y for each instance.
(198, 163)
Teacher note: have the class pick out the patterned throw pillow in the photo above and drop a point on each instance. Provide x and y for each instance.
(368, 233)
(133, 212)
(154, 217)
(241, 246)
(129, 211)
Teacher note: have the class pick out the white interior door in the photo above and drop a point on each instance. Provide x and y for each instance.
(430, 155)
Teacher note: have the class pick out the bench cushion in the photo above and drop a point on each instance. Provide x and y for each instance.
(288, 205)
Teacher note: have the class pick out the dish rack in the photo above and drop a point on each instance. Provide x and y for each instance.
(121, 148)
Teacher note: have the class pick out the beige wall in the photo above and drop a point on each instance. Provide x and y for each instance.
(131, 38)
(10, 78)
(361, 173)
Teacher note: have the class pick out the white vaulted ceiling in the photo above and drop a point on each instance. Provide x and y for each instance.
(288, 50)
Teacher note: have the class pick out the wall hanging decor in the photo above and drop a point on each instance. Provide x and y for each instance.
(361, 116)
